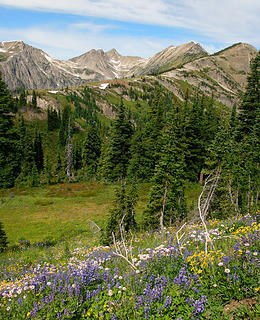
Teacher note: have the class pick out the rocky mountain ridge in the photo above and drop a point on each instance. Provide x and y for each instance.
(223, 73)
(22, 65)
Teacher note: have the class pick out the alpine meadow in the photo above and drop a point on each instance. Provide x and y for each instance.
(129, 187)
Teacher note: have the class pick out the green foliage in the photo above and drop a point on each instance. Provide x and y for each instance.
(122, 215)
(53, 119)
(146, 145)
(66, 115)
(167, 203)
(9, 140)
(251, 100)
(117, 154)
(91, 150)
(34, 100)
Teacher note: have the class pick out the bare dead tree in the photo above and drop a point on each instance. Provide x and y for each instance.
(204, 203)
(121, 249)
(178, 239)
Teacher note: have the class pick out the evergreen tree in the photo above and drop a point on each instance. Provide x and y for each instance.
(3, 238)
(23, 99)
(117, 155)
(91, 151)
(146, 145)
(53, 119)
(63, 134)
(167, 203)
(38, 151)
(34, 100)
(251, 100)
(27, 160)
(122, 215)
(195, 136)
(48, 170)
(9, 140)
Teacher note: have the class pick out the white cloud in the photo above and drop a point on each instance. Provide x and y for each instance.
(222, 20)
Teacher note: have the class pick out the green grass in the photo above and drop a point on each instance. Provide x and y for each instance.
(57, 212)
(63, 211)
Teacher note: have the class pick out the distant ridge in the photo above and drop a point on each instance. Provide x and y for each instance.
(224, 72)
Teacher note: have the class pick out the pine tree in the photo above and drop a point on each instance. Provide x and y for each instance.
(66, 115)
(22, 99)
(9, 140)
(34, 100)
(167, 203)
(91, 151)
(3, 238)
(146, 143)
(122, 215)
(38, 151)
(251, 100)
(195, 137)
(117, 155)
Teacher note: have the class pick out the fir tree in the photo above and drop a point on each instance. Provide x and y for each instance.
(22, 99)
(38, 151)
(9, 140)
(146, 145)
(117, 157)
(91, 151)
(251, 100)
(167, 202)
(122, 215)
(66, 115)
(34, 100)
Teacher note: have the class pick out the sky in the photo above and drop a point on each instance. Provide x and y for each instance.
(68, 28)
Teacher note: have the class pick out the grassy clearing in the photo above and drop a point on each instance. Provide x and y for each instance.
(64, 211)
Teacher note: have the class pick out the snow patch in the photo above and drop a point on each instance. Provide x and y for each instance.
(48, 58)
(116, 74)
(52, 91)
(2, 50)
(103, 86)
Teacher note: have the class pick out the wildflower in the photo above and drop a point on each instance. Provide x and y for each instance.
(110, 293)
(73, 286)
(255, 253)
(227, 270)
(137, 271)
(246, 244)
(8, 308)
(48, 283)
(124, 288)
(215, 285)
(120, 278)
(220, 264)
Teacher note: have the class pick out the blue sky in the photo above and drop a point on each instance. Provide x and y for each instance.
(67, 28)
